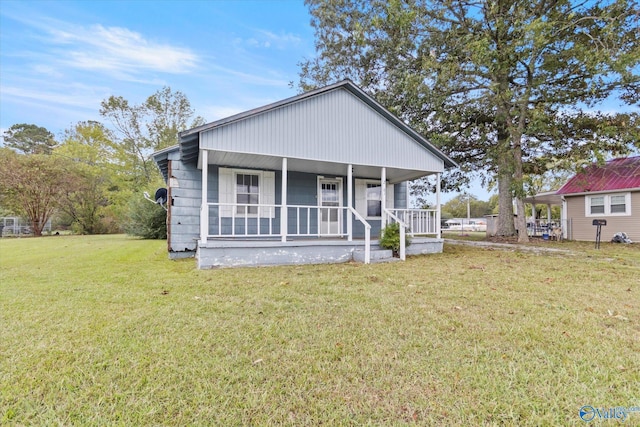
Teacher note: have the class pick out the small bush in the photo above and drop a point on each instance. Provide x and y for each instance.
(390, 237)
(146, 219)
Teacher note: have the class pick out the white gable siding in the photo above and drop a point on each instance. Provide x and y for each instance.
(335, 126)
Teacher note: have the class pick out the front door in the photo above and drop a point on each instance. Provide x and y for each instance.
(329, 204)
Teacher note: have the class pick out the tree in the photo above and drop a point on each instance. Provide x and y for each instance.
(146, 220)
(457, 207)
(92, 200)
(502, 86)
(148, 127)
(29, 139)
(31, 185)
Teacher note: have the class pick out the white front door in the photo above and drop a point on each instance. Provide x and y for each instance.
(329, 204)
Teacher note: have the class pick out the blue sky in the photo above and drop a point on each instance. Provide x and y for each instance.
(60, 59)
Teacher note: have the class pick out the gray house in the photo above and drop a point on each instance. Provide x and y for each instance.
(309, 179)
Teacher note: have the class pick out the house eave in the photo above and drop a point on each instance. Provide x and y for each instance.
(589, 193)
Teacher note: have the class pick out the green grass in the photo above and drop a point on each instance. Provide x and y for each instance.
(106, 331)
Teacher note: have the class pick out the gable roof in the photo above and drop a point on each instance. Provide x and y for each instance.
(617, 174)
(189, 140)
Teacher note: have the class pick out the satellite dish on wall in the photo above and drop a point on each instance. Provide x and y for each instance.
(161, 196)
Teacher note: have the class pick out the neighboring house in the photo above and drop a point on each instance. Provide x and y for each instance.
(610, 192)
(310, 179)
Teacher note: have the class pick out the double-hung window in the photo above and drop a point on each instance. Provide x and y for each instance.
(368, 198)
(374, 200)
(247, 193)
(618, 204)
(597, 205)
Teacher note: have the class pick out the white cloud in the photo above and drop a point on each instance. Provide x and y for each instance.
(281, 41)
(116, 51)
(70, 96)
(114, 48)
(268, 39)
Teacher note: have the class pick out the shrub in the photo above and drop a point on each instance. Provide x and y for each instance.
(146, 219)
(390, 237)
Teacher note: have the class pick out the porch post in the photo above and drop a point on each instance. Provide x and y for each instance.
(548, 215)
(438, 230)
(204, 207)
(349, 203)
(383, 195)
(283, 197)
(533, 215)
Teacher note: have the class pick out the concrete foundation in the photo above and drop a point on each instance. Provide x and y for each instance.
(253, 253)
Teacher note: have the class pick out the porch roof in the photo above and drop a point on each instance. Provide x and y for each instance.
(546, 198)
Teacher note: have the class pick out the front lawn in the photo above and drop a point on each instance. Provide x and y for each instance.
(105, 330)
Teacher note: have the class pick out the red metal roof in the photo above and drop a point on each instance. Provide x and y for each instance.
(617, 174)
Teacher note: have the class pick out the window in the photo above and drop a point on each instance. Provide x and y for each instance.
(368, 198)
(247, 193)
(246, 187)
(374, 203)
(618, 204)
(597, 205)
(608, 205)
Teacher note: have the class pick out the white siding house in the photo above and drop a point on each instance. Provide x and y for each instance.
(310, 179)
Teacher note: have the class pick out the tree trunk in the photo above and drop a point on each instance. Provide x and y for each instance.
(504, 173)
(518, 177)
(505, 207)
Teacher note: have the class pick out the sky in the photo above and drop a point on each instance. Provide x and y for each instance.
(60, 59)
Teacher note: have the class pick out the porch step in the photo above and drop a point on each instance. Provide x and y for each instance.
(377, 255)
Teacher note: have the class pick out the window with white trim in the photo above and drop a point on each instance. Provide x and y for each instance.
(618, 204)
(246, 187)
(608, 205)
(597, 205)
(374, 200)
(247, 192)
(368, 198)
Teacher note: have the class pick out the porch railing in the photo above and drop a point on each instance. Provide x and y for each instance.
(246, 220)
(367, 235)
(418, 221)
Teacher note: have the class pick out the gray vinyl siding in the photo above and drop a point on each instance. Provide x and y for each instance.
(184, 226)
(302, 190)
(334, 127)
(583, 228)
(400, 196)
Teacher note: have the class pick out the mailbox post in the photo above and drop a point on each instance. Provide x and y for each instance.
(599, 223)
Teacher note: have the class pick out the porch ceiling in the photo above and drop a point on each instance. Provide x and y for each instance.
(548, 198)
(262, 162)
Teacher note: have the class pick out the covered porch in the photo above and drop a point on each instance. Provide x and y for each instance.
(547, 225)
(312, 216)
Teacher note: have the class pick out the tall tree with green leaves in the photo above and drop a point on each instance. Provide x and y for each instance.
(147, 127)
(505, 86)
(29, 139)
(96, 201)
(32, 184)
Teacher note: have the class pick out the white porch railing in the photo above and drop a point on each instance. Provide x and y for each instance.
(367, 236)
(243, 220)
(418, 221)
